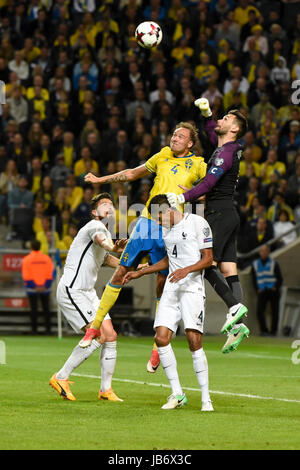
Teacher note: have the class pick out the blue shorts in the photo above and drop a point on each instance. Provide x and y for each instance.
(145, 239)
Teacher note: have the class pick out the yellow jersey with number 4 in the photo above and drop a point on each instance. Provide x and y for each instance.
(171, 171)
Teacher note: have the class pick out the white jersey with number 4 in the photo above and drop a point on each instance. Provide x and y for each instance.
(184, 242)
(85, 257)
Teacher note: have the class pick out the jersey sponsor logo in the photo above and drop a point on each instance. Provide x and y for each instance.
(189, 164)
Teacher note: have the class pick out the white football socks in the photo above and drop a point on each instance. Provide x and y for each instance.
(108, 358)
(169, 363)
(201, 369)
(77, 357)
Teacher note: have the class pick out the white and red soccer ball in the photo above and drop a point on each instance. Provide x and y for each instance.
(148, 34)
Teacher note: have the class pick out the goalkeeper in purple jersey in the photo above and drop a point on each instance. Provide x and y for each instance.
(220, 212)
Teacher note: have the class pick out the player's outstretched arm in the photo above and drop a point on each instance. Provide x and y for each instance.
(129, 174)
(205, 262)
(154, 268)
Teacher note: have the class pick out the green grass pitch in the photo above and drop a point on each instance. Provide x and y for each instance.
(255, 393)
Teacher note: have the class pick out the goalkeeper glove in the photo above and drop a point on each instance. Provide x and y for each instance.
(174, 199)
(203, 105)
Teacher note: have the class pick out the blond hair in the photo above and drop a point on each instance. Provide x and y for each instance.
(197, 147)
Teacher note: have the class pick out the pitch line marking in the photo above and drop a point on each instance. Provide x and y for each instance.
(237, 354)
(216, 392)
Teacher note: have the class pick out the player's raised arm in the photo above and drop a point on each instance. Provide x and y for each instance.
(210, 124)
(129, 174)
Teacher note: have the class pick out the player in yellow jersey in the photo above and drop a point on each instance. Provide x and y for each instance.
(174, 165)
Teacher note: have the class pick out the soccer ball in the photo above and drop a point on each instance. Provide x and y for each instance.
(148, 34)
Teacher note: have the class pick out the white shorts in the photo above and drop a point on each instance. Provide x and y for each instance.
(79, 307)
(181, 305)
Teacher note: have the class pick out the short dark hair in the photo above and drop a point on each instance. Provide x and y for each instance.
(241, 121)
(97, 198)
(158, 200)
(35, 245)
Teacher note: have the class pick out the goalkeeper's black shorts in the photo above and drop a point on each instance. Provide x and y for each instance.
(224, 224)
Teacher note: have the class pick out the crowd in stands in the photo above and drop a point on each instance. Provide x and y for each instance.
(82, 96)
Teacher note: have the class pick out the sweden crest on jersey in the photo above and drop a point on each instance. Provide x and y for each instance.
(188, 163)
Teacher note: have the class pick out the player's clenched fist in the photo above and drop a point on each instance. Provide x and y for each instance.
(203, 105)
(90, 178)
(175, 199)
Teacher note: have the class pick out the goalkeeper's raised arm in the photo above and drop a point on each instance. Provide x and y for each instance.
(209, 123)
(223, 166)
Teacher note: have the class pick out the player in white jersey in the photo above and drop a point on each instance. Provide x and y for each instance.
(78, 300)
(188, 241)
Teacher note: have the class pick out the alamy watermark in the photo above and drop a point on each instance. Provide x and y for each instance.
(126, 223)
(296, 354)
(2, 92)
(295, 97)
(2, 95)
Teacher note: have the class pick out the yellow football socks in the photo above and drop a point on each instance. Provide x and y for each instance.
(107, 301)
